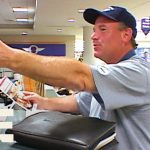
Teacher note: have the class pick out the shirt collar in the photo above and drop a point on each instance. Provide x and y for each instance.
(128, 55)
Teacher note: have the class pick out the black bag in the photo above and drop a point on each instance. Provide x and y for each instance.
(62, 131)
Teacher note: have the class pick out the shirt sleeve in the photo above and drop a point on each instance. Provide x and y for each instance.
(121, 84)
(84, 102)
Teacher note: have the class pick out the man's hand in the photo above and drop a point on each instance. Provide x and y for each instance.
(34, 99)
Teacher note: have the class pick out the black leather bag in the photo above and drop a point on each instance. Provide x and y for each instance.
(61, 131)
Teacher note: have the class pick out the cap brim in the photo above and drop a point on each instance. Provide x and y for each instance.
(90, 15)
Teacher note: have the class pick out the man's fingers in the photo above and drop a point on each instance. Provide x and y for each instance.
(26, 93)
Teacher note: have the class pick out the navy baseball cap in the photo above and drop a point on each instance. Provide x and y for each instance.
(115, 13)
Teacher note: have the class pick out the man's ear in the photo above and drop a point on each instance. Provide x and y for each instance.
(127, 34)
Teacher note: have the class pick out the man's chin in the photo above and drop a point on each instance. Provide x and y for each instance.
(99, 57)
(96, 55)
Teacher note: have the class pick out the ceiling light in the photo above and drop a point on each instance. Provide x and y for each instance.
(59, 30)
(19, 9)
(81, 10)
(24, 33)
(71, 20)
(22, 20)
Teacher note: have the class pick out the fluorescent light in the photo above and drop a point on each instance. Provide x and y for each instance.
(81, 10)
(19, 9)
(71, 20)
(22, 20)
(59, 30)
(24, 33)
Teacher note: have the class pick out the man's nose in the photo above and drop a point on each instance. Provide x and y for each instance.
(93, 36)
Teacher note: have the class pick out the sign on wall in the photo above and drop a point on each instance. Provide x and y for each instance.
(43, 49)
(145, 25)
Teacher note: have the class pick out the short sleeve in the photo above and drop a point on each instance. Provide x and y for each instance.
(84, 102)
(121, 84)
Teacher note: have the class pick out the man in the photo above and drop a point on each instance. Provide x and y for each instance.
(116, 87)
(146, 55)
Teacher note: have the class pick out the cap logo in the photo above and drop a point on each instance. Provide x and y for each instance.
(108, 9)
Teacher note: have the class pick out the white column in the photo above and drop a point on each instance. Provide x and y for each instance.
(88, 45)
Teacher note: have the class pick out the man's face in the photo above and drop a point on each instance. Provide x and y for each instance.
(107, 39)
(146, 54)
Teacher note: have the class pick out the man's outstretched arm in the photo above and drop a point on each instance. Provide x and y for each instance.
(56, 71)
